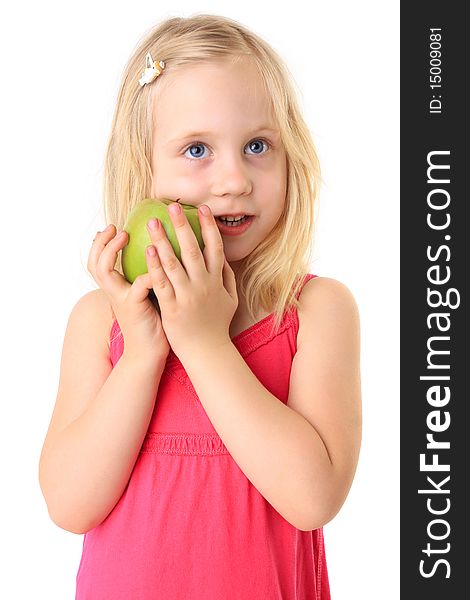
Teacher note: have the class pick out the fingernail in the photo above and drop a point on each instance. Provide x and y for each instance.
(175, 208)
(153, 224)
(204, 210)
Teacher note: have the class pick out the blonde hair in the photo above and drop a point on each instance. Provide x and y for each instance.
(271, 276)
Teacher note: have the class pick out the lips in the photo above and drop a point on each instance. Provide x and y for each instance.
(232, 216)
(234, 230)
(235, 220)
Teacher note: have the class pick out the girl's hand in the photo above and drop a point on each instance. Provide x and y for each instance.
(199, 297)
(138, 319)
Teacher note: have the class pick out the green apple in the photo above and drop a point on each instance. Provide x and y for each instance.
(133, 254)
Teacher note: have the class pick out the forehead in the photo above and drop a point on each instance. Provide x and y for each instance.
(212, 94)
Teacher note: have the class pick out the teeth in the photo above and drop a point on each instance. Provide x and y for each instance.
(232, 219)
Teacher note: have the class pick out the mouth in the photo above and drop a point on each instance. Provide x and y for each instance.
(234, 225)
(232, 218)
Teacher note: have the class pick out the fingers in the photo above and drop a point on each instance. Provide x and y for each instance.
(159, 281)
(195, 262)
(230, 283)
(101, 262)
(191, 255)
(99, 242)
(170, 270)
(140, 288)
(102, 259)
(214, 254)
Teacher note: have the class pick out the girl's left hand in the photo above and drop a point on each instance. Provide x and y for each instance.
(198, 298)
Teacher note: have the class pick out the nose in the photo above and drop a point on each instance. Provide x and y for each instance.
(231, 177)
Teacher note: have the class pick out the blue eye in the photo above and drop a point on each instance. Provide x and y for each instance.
(196, 154)
(257, 146)
(196, 150)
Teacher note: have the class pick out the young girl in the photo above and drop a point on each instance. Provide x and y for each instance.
(202, 451)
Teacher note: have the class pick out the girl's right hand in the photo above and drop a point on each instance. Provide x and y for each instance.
(138, 319)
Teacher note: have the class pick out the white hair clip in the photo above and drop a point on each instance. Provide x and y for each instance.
(152, 70)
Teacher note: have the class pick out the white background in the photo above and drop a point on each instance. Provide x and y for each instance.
(60, 68)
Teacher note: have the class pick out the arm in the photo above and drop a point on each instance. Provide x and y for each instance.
(302, 456)
(99, 422)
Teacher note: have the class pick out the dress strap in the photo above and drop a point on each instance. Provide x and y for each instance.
(307, 277)
(116, 342)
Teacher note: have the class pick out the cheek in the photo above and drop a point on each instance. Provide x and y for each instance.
(274, 188)
(274, 176)
(173, 184)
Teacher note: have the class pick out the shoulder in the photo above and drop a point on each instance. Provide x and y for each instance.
(93, 314)
(326, 287)
(96, 302)
(327, 304)
(85, 363)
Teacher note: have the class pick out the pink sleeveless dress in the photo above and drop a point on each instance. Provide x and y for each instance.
(189, 524)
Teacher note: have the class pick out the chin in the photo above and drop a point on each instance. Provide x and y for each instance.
(235, 257)
(235, 262)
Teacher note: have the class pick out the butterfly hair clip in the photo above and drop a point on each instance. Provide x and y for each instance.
(152, 70)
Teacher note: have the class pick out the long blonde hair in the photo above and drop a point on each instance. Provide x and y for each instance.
(271, 276)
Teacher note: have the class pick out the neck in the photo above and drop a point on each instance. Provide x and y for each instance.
(241, 313)
(236, 267)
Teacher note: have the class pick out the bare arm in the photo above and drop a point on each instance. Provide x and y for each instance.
(99, 422)
(302, 456)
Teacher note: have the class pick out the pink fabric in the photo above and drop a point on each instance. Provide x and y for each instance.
(189, 523)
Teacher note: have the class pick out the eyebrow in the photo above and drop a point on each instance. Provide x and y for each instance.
(198, 134)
